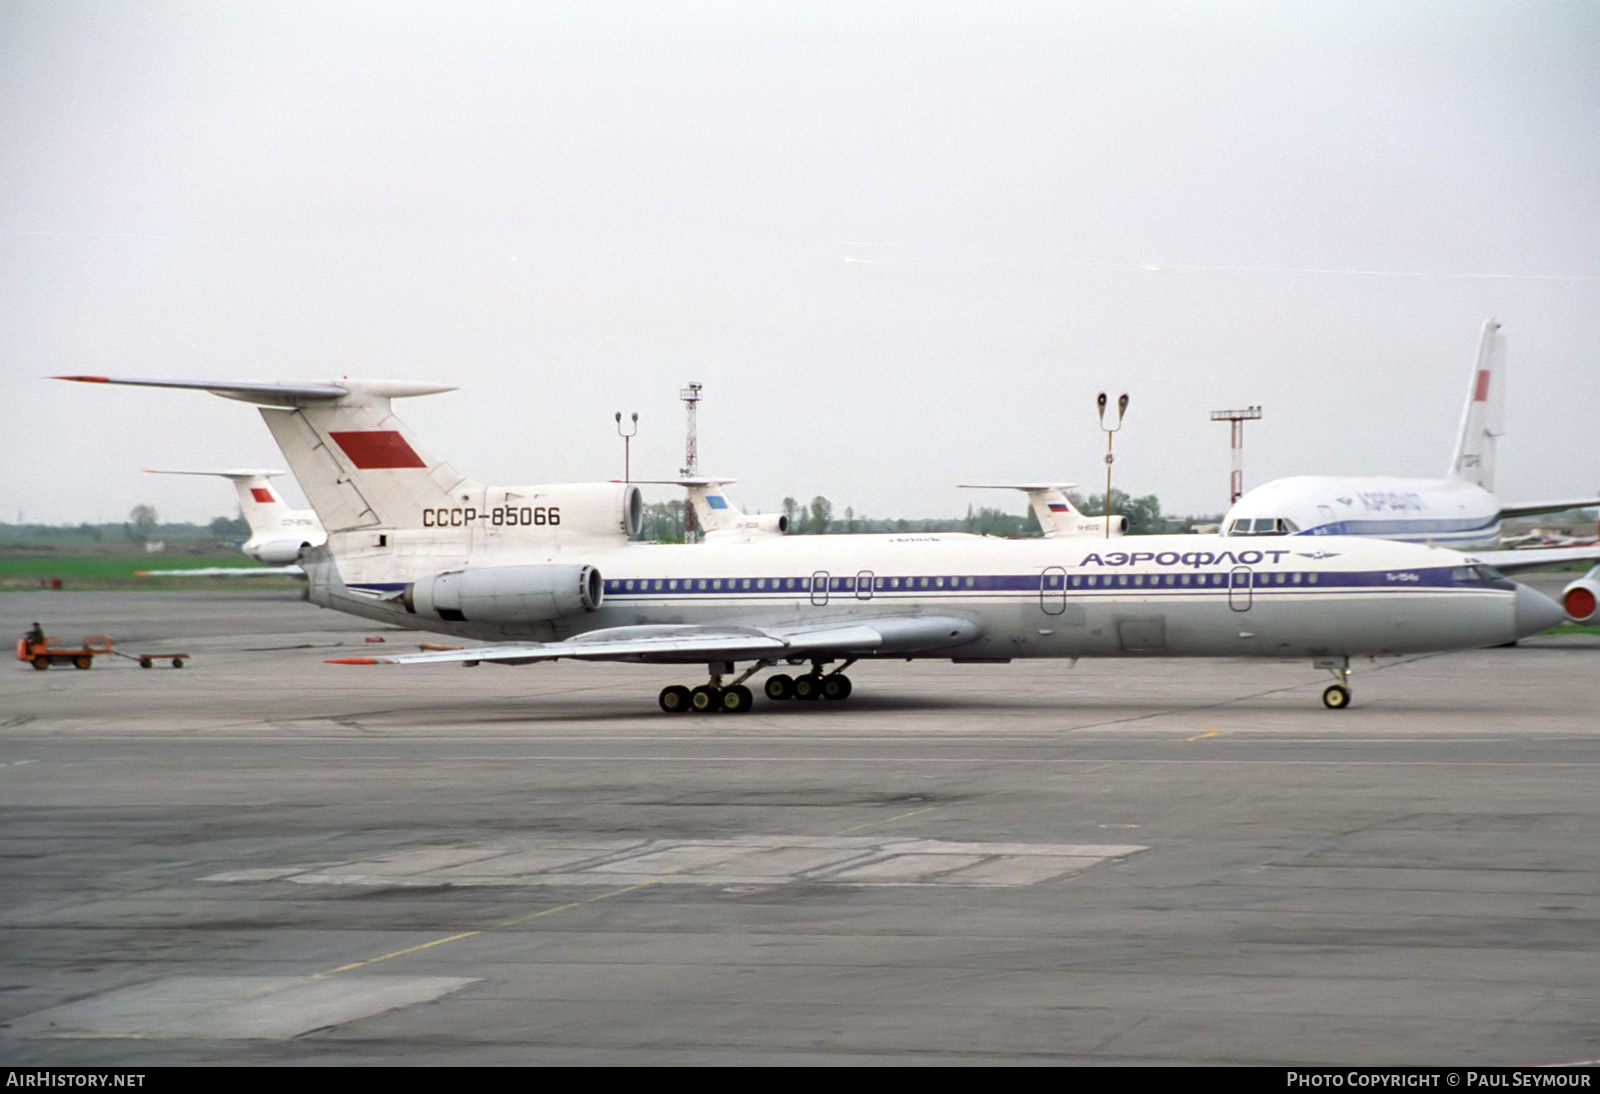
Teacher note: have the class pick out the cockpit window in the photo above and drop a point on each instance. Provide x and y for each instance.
(1478, 574)
(1263, 526)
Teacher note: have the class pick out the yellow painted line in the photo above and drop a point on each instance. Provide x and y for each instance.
(1209, 732)
(887, 820)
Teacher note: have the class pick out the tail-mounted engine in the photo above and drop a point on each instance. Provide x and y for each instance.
(506, 594)
(1581, 599)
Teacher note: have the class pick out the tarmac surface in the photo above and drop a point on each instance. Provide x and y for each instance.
(262, 858)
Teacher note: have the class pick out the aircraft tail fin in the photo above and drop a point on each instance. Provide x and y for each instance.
(718, 516)
(259, 504)
(1483, 416)
(359, 465)
(1056, 514)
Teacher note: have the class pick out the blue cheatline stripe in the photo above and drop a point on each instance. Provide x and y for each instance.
(1435, 577)
(1027, 583)
(953, 585)
(1402, 527)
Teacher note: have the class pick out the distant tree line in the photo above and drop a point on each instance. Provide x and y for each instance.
(663, 521)
(143, 524)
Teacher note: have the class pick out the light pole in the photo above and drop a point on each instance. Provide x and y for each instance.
(627, 442)
(1122, 408)
(1237, 418)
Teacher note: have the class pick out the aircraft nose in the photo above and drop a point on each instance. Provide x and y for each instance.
(1535, 612)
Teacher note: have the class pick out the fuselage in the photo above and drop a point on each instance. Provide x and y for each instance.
(1444, 512)
(1155, 595)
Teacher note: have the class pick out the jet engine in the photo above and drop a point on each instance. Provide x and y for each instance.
(507, 594)
(1581, 599)
(277, 552)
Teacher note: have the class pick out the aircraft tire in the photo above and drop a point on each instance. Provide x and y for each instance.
(1336, 697)
(674, 700)
(836, 687)
(737, 699)
(808, 687)
(779, 687)
(705, 699)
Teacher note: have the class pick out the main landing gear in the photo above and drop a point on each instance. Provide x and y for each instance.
(1335, 696)
(813, 685)
(735, 698)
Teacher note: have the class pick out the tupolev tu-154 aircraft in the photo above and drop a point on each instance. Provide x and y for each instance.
(547, 571)
(278, 532)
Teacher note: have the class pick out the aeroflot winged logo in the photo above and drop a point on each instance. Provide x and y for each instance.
(377, 450)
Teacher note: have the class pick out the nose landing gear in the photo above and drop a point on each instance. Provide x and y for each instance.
(1335, 696)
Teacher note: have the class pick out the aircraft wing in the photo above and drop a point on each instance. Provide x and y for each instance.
(682, 643)
(1539, 508)
(227, 571)
(1534, 558)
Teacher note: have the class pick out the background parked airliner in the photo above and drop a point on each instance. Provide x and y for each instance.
(548, 572)
(1459, 510)
(278, 532)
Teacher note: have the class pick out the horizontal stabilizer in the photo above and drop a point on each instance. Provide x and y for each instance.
(236, 473)
(271, 393)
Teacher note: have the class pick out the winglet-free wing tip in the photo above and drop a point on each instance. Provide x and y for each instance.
(357, 661)
(85, 379)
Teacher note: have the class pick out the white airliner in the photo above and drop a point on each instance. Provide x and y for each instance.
(1459, 510)
(547, 572)
(277, 532)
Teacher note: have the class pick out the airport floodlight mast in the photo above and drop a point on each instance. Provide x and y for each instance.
(627, 442)
(691, 455)
(1122, 408)
(1238, 418)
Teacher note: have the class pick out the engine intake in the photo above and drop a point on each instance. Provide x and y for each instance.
(1581, 599)
(507, 594)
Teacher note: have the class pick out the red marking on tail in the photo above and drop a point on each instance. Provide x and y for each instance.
(262, 494)
(1481, 395)
(377, 449)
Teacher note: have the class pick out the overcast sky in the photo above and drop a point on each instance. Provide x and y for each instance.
(901, 244)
